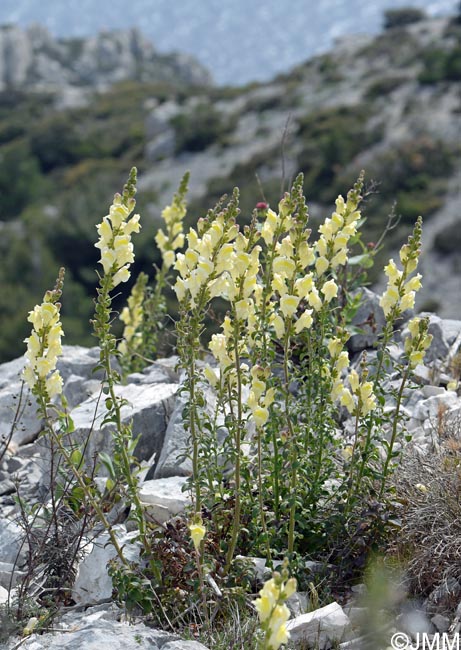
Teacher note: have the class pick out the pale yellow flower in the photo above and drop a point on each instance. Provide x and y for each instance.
(407, 301)
(314, 299)
(347, 400)
(277, 322)
(330, 290)
(278, 627)
(260, 415)
(278, 284)
(54, 384)
(305, 321)
(306, 254)
(289, 304)
(122, 275)
(342, 361)
(197, 533)
(269, 596)
(392, 272)
(414, 284)
(304, 285)
(339, 259)
(284, 266)
(321, 265)
(389, 299)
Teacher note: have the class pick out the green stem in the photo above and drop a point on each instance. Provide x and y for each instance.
(193, 430)
(291, 438)
(238, 443)
(261, 500)
(79, 478)
(394, 431)
(121, 434)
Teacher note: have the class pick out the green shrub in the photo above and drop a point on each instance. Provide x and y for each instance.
(21, 180)
(330, 140)
(200, 127)
(402, 17)
(441, 65)
(448, 240)
(383, 86)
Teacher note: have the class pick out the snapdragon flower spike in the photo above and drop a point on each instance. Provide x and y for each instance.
(132, 315)
(401, 289)
(44, 345)
(201, 266)
(115, 239)
(272, 610)
(359, 400)
(335, 232)
(418, 340)
(260, 397)
(173, 217)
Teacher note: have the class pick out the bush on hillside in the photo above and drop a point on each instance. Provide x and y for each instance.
(403, 16)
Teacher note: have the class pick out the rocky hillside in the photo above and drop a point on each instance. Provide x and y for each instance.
(32, 59)
(155, 409)
(388, 104)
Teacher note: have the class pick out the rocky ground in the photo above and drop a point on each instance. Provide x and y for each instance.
(90, 619)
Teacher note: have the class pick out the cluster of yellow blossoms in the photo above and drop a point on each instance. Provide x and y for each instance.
(204, 259)
(132, 315)
(229, 265)
(418, 340)
(272, 611)
(115, 240)
(359, 398)
(173, 217)
(331, 247)
(44, 347)
(260, 397)
(401, 289)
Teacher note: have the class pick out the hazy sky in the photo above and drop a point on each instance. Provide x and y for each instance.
(238, 40)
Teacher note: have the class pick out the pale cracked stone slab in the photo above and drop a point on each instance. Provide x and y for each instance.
(164, 497)
(321, 627)
(93, 583)
(148, 408)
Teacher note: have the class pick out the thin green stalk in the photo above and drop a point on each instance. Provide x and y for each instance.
(354, 446)
(238, 443)
(79, 478)
(261, 499)
(193, 431)
(107, 346)
(394, 431)
(291, 438)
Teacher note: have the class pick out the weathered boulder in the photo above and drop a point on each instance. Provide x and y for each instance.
(164, 497)
(148, 408)
(93, 583)
(320, 628)
(97, 631)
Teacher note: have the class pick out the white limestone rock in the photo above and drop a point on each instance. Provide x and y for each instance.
(321, 627)
(93, 584)
(148, 408)
(164, 498)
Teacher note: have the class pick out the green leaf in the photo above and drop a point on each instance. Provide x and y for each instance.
(365, 260)
(76, 458)
(107, 461)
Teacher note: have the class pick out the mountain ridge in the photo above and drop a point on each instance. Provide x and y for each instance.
(272, 36)
(388, 104)
(31, 59)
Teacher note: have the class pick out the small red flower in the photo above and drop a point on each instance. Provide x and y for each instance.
(262, 205)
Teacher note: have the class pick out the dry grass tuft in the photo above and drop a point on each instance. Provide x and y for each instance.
(429, 544)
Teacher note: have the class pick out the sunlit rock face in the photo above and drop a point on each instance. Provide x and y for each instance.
(32, 59)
